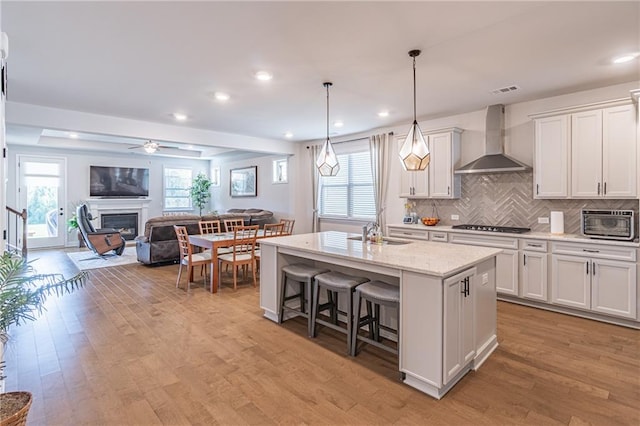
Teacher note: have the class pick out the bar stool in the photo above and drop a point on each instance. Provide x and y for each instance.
(303, 275)
(376, 293)
(335, 283)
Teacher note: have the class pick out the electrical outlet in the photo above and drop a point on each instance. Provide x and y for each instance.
(455, 217)
(485, 278)
(543, 220)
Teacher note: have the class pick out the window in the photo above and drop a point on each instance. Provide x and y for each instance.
(176, 188)
(280, 171)
(349, 194)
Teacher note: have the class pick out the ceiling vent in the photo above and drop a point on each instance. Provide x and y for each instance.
(506, 89)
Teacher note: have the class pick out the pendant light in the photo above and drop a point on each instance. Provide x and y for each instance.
(327, 161)
(414, 152)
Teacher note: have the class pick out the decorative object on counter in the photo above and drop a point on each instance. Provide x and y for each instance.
(414, 152)
(557, 223)
(433, 219)
(327, 161)
(410, 216)
(430, 221)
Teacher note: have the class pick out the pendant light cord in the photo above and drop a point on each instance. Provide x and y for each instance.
(327, 86)
(414, 89)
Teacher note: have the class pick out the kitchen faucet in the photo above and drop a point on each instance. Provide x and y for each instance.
(366, 229)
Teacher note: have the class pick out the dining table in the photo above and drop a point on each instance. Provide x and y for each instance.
(213, 242)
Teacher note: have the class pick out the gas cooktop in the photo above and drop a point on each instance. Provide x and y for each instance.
(489, 228)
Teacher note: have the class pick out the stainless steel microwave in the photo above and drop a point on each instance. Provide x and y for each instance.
(608, 224)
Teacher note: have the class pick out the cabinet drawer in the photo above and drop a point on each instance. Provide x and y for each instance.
(484, 240)
(439, 236)
(600, 251)
(533, 245)
(415, 234)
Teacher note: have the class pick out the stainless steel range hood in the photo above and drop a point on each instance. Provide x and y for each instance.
(494, 160)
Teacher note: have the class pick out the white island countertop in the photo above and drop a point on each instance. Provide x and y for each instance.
(431, 258)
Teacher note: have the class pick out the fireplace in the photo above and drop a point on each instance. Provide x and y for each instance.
(126, 223)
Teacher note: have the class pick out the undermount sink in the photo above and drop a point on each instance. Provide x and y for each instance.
(385, 241)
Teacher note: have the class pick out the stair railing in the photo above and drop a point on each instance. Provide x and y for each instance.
(16, 231)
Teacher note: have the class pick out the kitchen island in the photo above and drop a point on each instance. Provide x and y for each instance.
(447, 296)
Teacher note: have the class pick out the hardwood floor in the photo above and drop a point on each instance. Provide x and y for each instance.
(130, 348)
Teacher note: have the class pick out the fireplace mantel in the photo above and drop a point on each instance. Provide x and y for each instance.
(98, 206)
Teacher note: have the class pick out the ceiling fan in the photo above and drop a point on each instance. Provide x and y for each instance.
(150, 147)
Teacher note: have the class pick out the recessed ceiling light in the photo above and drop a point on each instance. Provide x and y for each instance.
(73, 135)
(264, 75)
(288, 135)
(338, 123)
(179, 116)
(221, 96)
(383, 114)
(626, 58)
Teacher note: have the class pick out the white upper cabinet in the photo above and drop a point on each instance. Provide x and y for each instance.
(551, 168)
(586, 154)
(588, 151)
(438, 180)
(619, 166)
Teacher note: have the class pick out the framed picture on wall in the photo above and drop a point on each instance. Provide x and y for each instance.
(243, 182)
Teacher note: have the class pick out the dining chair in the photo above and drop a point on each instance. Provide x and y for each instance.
(243, 254)
(231, 224)
(188, 258)
(288, 226)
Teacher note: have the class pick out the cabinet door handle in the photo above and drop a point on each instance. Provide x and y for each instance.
(535, 245)
(537, 189)
(605, 188)
(525, 260)
(598, 188)
(591, 251)
(587, 268)
(449, 190)
(593, 268)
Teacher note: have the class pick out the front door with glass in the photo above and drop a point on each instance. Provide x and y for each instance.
(42, 193)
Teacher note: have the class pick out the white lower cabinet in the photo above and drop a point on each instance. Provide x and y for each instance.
(459, 345)
(613, 288)
(600, 284)
(571, 282)
(414, 234)
(534, 270)
(507, 272)
(534, 275)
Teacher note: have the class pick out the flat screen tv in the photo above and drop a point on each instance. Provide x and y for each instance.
(118, 182)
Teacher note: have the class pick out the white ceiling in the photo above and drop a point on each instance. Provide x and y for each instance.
(145, 60)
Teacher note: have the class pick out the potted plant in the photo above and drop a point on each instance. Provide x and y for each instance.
(200, 191)
(22, 296)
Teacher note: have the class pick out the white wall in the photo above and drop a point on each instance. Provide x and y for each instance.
(276, 197)
(78, 163)
(519, 142)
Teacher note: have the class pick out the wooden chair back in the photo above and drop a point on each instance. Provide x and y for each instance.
(210, 227)
(231, 224)
(288, 226)
(187, 257)
(273, 229)
(244, 240)
(183, 242)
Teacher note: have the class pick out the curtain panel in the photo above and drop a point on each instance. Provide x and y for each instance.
(380, 167)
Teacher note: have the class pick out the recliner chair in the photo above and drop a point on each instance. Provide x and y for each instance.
(100, 241)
